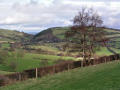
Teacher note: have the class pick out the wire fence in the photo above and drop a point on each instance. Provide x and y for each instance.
(43, 71)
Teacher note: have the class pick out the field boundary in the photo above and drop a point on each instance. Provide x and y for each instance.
(43, 71)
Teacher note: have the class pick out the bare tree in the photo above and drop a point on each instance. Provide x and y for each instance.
(86, 34)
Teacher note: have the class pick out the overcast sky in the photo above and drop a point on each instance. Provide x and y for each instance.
(36, 15)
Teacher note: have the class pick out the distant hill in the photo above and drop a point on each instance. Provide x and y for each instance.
(57, 34)
(12, 35)
(32, 33)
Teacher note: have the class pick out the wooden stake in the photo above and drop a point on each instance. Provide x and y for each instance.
(105, 60)
(53, 69)
(81, 63)
(36, 73)
(68, 66)
(19, 76)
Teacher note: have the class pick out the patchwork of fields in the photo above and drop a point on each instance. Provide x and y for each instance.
(46, 54)
(33, 60)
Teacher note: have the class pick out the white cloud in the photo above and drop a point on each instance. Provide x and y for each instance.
(35, 14)
(17, 18)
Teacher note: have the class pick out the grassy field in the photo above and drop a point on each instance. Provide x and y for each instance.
(5, 45)
(31, 60)
(45, 48)
(51, 48)
(100, 77)
(60, 33)
(5, 72)
(12, 35)
(105, 52)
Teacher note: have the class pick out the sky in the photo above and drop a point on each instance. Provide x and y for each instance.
(37, 15)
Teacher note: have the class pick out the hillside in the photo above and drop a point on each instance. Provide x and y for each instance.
(51, 34)
(57, 34)
(100, 77)
(12, 35)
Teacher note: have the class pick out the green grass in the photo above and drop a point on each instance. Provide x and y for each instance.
(100, 77)
(45, 48)
(115, 39)
(5, 45)
(112, 31)
(30, 61)
(5, 68)
(59, 32)
(12, 35)
(114, 35)
(5, 72)
(104, 52)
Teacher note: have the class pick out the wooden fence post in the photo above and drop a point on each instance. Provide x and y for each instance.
(116, 57)
(68, 66)
(53, 69)
(94, 61)
(36, 70)
(19, 76)
(81, 63)
(105, 59)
